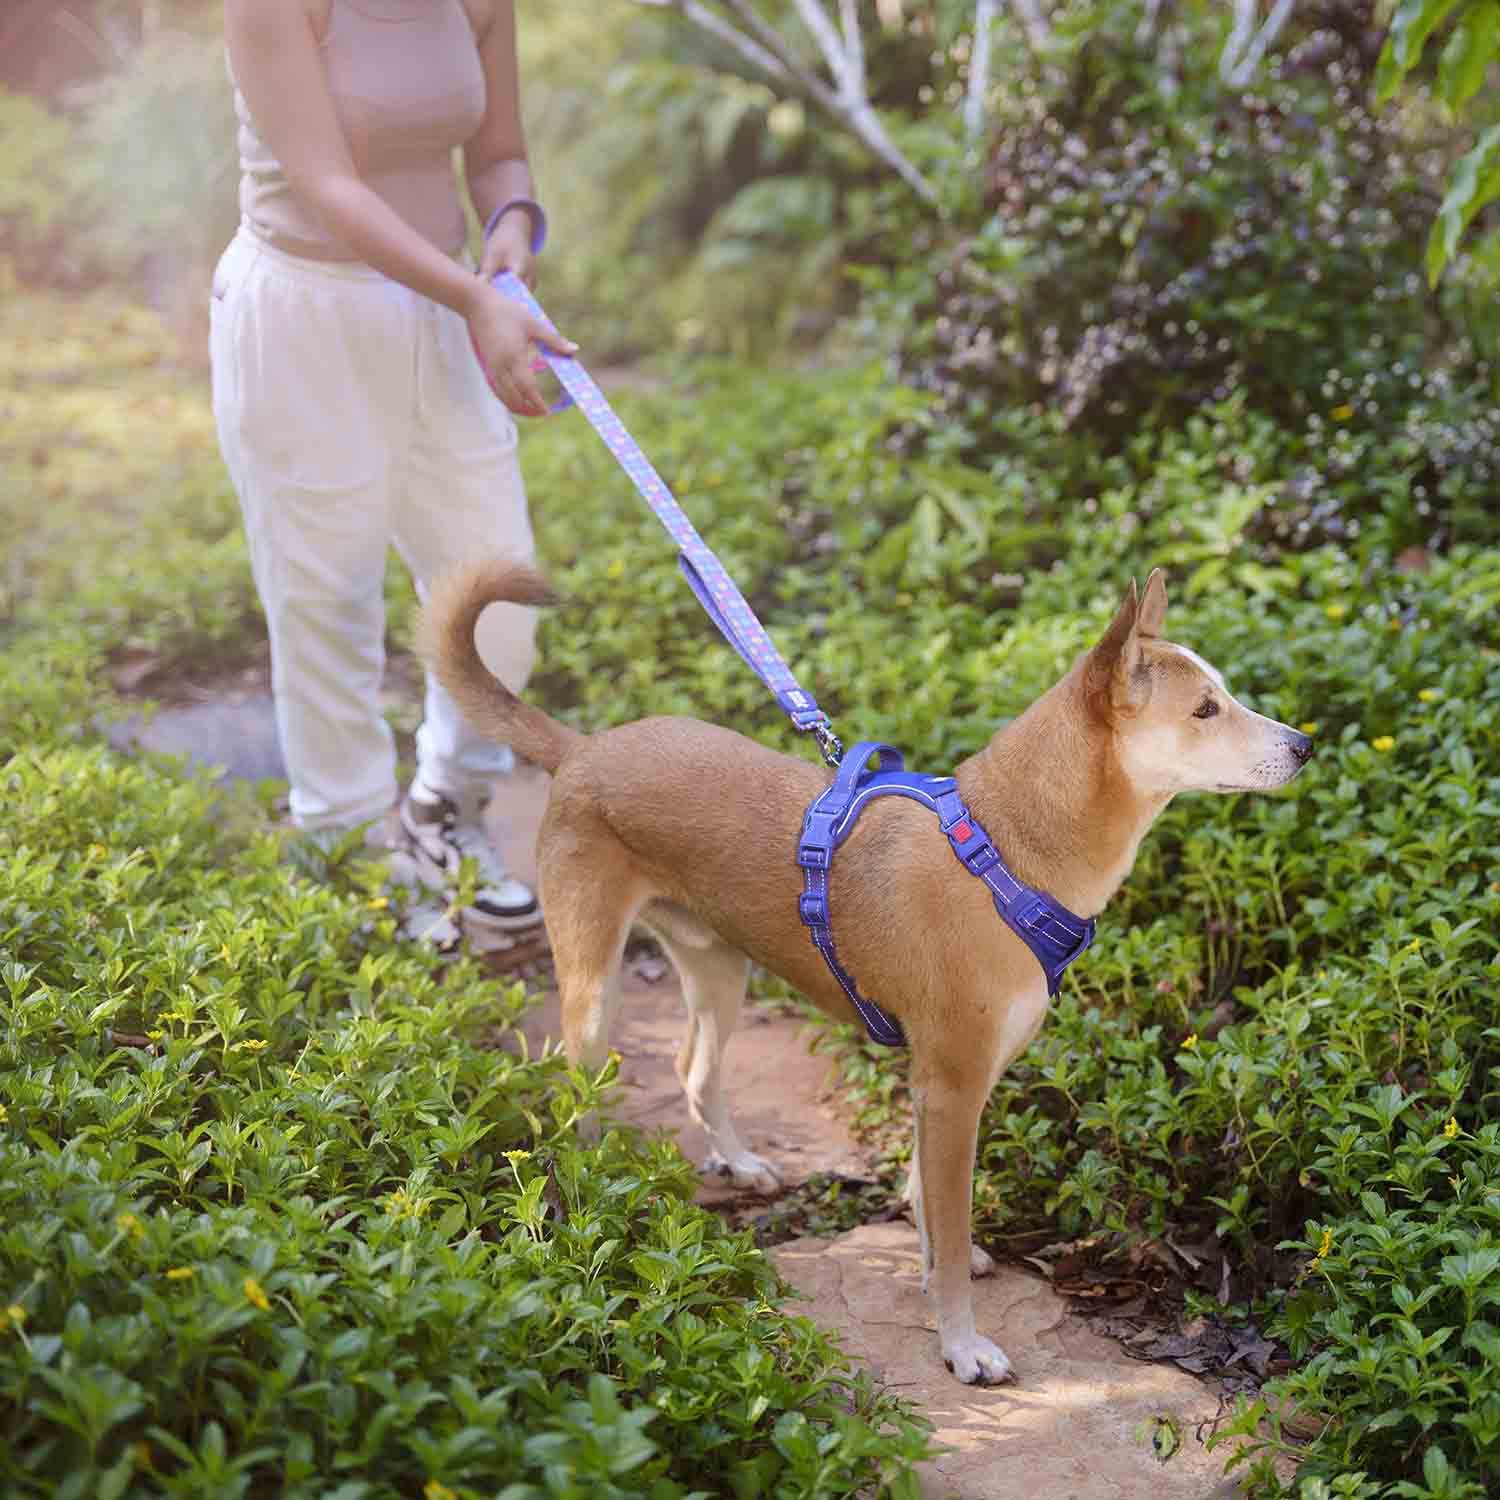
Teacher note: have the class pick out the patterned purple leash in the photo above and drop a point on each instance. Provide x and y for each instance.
(705, 574)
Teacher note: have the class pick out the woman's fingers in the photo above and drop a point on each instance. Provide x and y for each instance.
(543, 333)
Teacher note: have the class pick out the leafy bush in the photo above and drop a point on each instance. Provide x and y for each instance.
(276, 1213)
(1290, 1000)
(1153, 243)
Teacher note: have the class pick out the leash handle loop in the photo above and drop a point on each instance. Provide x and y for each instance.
(711, 585)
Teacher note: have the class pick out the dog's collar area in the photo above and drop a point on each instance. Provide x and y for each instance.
(1054, 934)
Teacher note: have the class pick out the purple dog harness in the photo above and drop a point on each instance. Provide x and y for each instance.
(1054, 934)
(1047, 927)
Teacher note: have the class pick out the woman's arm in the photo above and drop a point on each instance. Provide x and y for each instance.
(495, 161)
(274, 52)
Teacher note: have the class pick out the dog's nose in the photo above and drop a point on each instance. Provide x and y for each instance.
(1302, 747)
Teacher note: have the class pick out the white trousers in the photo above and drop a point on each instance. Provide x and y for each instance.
(353, 415)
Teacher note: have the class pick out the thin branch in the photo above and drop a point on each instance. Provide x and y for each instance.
(820, 28)
(1246, 47)
(854, 41)
(771, 39)
(759, 57)
(768, 52)
(979, 68)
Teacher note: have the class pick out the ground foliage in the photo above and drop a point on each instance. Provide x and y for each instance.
(1157, 323)
(272, 1219)
(1286, 1035)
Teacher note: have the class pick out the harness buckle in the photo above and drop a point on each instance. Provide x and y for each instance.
(985, 857)
(813, 856)
(813, 910)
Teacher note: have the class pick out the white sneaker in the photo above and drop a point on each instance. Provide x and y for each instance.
(439, 840)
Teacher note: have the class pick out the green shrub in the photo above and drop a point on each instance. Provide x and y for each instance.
(277, 1216)
(1153, 244)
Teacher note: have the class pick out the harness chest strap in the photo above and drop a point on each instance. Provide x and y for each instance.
(1054, 934)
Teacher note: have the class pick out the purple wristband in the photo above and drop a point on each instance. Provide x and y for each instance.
(538, 220)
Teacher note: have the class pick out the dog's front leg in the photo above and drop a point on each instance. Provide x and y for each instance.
(947, 1128)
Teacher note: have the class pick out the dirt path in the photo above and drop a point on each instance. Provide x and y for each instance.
(1079, 1421)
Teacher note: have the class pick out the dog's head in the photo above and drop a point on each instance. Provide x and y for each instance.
(1175, 725)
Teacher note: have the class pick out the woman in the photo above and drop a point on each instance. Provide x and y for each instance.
(352, 411)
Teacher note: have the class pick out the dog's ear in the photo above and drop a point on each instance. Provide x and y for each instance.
(1153, 611)
(1113, 675)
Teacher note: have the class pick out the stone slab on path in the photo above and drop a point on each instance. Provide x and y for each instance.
(1076, 1423)
(236, 737)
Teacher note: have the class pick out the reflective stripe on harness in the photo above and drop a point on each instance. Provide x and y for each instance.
(1054, 934)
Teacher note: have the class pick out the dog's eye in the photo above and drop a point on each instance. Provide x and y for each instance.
(1206, 710)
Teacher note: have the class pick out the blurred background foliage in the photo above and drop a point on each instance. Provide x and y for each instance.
(1118, 223)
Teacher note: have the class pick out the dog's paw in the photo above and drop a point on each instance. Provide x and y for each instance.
(976, 1361)
(981, 1262)
(750, 1173)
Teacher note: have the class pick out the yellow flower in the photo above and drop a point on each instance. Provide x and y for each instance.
(402, 1205)
(1190, 1043)
(15, 1314)
(514, 1156)
(1451, 1128)
(224, 953)
(1342, 413)
(181, 1273)
(1310, 727)
(1335, 611)
(1428, 695)
(255, 1294)
(432, 1490)
(129, 1224)
(4, 1114)
(378, 903)
(1415, 946)
(616, 569)
(250, 1046)
(156, 1035)
(1324, 1247)
(97, 851)
(1383, 742)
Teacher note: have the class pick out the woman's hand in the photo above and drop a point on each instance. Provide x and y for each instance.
(508, 248)
(503, 332)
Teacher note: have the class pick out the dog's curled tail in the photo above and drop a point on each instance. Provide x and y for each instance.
(447, 643)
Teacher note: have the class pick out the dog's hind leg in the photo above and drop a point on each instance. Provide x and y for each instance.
(713, 984)
(588, 921)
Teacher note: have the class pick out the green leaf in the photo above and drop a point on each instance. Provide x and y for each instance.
(1412, 24)
(1475, 43)
(1476, 182)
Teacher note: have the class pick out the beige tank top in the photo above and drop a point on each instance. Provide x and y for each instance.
(408, 86)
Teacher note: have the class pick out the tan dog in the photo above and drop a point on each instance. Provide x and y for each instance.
(692, 831)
